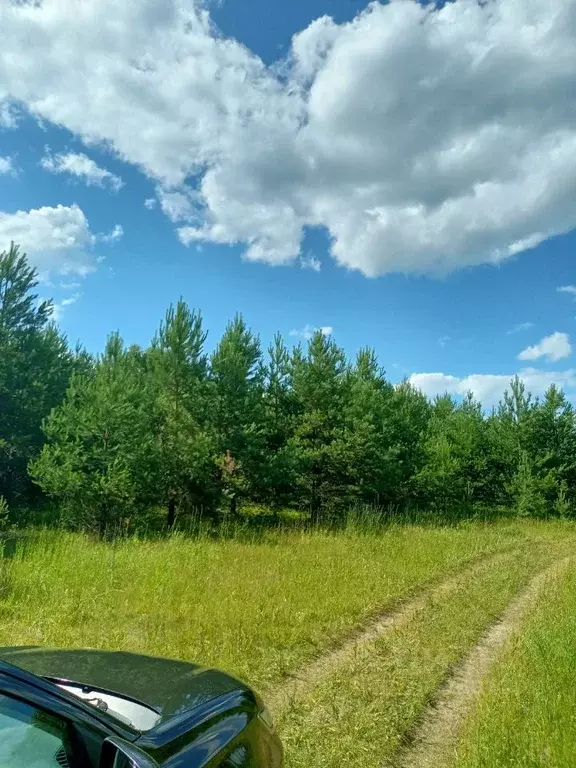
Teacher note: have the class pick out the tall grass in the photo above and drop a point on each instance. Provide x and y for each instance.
(258, 608)
(360, 713)
(526, 714)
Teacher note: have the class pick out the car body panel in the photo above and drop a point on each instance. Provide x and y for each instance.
(169, 687)
(206, 717)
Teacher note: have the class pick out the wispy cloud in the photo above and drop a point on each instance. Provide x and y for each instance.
(58, 307)
(150, 203)
(519, 328)
(114, 235)
(310, 262)
(443, 340)
(309, 330)
(571, 289)
(554, 347)
(7, 166)
(81, 166)
(8, 114)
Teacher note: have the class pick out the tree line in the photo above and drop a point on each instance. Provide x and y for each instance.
(173, 430)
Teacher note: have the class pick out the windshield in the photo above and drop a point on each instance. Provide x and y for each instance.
(132, 713)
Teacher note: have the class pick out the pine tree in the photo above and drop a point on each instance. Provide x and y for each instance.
(551, 443)
(35, 368)
(367, 448)
(97, 443)
(407, 417)
(181, 474)
(237, 409)
(134, 429)
(321, 389)
(276, 476)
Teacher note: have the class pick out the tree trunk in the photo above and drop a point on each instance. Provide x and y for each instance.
(233, 505)
(103, 522)
(171, 519)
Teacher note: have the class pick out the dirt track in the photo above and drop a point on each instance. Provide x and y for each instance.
(433, 742)
(304, 680)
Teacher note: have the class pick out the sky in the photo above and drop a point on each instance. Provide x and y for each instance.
(399, 175)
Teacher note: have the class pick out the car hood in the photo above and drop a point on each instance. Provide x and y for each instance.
(169, 687)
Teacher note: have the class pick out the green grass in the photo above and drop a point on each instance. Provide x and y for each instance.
(526, 714)
(360, 713)
(262, 608)
(256, 609)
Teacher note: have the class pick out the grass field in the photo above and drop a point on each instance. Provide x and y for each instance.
(526, 714)
(278, 606)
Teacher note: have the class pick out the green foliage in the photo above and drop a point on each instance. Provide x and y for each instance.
(181, 461)
(236, 402)
(4, 514)
(321, 388)
(98, 442)
(35, 369)
(562, 506)
(114, 440)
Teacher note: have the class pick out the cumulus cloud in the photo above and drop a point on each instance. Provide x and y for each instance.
(115, 234)
(423, 138)
(554, 347)
(57, 240)
(309, 330)
(177, 204)
(489, 388)
(83, 167)
(6, 165)
(150, 203)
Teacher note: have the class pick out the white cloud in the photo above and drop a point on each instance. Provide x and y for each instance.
(571, 289)
(8, 116)
(489, 388)
(70, 286)
(70, 300)
(178, 204)
(6, 165)
(57, 240)
(310, 262)
(150, 203)
(115, 234)
(424, 138)
(309, 330)
(554, 347)
(81, 166)
(58, 307)
(519, 328)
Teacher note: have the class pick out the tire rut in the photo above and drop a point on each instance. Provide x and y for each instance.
(431, 744)
(308, 676)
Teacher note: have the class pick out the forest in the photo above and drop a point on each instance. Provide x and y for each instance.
(155, 436)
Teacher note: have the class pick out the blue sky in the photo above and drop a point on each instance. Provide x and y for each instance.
(404, 177)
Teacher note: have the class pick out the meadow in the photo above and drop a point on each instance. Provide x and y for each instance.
(371, 624)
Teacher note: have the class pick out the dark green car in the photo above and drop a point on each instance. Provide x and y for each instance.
(99, 709)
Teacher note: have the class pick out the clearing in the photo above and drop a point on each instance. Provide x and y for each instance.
(371, 647)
